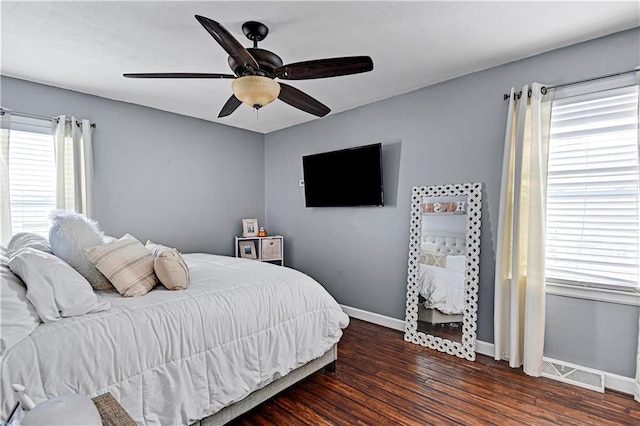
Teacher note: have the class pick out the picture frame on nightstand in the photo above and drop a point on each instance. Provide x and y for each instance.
(250, 227)
(247, 249)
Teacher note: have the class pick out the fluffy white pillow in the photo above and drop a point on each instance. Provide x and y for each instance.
(70, 234)
(27, 239)
(169, 266)
(53, 287)
(18, 317)
(127, 264)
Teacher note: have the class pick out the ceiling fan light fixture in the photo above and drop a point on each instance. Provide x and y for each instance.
(255, 91)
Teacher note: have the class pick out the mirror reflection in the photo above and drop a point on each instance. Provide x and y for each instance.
(442, 266)
(442, 286)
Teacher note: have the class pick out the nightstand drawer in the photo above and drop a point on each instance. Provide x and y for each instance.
(271, 248)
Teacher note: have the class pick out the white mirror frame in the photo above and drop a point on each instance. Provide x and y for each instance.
(467, 348)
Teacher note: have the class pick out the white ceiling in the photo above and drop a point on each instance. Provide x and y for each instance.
(87, 46)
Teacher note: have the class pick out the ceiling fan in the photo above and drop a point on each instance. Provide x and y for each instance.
(255, 71)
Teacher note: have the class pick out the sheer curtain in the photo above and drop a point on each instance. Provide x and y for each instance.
(74, 165)
(636, 394)
(5, 201)
(519, 313)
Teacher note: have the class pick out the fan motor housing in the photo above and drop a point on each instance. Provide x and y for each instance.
(267, 61)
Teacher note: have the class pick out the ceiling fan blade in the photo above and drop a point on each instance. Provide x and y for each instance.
(301, 100)
(323, 68)
(228, 42)
(178, 75)
(232, 104)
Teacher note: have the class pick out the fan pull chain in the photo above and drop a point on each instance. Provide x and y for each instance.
(257, 119)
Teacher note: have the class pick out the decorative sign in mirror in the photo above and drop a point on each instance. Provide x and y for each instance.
(444, 257)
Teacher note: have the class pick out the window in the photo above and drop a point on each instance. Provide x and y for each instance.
(32, 175)
(593, 197)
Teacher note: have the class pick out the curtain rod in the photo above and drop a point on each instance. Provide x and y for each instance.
(41, 117)
(544, 89)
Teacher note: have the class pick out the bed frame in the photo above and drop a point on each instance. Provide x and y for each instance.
(440, 243)
(434, 316)
(326, 362)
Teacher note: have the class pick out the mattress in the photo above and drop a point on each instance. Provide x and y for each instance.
(174, 357)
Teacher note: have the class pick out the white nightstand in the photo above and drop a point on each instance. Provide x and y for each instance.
(265, 249)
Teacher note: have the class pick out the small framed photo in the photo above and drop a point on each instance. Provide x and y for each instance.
(247, 249)
(249, 227)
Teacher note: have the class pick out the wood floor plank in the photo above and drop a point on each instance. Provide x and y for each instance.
(427, 412)
(383, 380)
(301, 411)
(484, 391)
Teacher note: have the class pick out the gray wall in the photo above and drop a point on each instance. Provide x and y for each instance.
(173, 179)
(446, 133)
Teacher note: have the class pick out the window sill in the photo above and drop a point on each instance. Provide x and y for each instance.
(598, 294)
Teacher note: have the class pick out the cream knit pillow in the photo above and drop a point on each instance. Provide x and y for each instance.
(127, 264)
(170, 267)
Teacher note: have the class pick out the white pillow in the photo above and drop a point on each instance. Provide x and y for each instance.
(456, 263)
(70, 234)
(18, 317)
(156, 248)
(127, 264)
(53, 287)
(27, 239)
(432, 247)
(169, 266)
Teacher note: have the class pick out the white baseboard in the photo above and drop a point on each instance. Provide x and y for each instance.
(619, 383)
(373, 318)
(612, 381)
(483, 348)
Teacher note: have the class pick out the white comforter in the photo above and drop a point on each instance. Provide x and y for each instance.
(442, 288)
(175, 357)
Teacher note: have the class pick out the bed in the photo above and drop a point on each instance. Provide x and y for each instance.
(441, 277)
(242, 331)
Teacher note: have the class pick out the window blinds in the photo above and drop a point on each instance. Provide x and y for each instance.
(32, 175)
(592, 190)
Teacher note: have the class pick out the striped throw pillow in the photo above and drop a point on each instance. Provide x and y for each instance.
(127, 264)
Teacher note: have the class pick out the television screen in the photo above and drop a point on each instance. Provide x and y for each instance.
(345, 178)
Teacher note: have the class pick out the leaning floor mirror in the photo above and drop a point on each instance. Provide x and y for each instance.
(444, 256)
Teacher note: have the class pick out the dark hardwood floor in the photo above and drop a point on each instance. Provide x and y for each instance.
(382, 380)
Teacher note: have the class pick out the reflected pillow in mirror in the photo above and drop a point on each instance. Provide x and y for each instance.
(433, 258)
(456, 262)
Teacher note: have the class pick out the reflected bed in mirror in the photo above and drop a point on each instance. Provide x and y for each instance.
(441, 277)
(443, 268)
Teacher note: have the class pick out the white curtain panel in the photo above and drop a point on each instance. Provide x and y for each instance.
(636, 394)
(5, 202)
(74, 165)
(519, 314)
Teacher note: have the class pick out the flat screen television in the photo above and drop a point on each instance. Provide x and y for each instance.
(346, 178)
